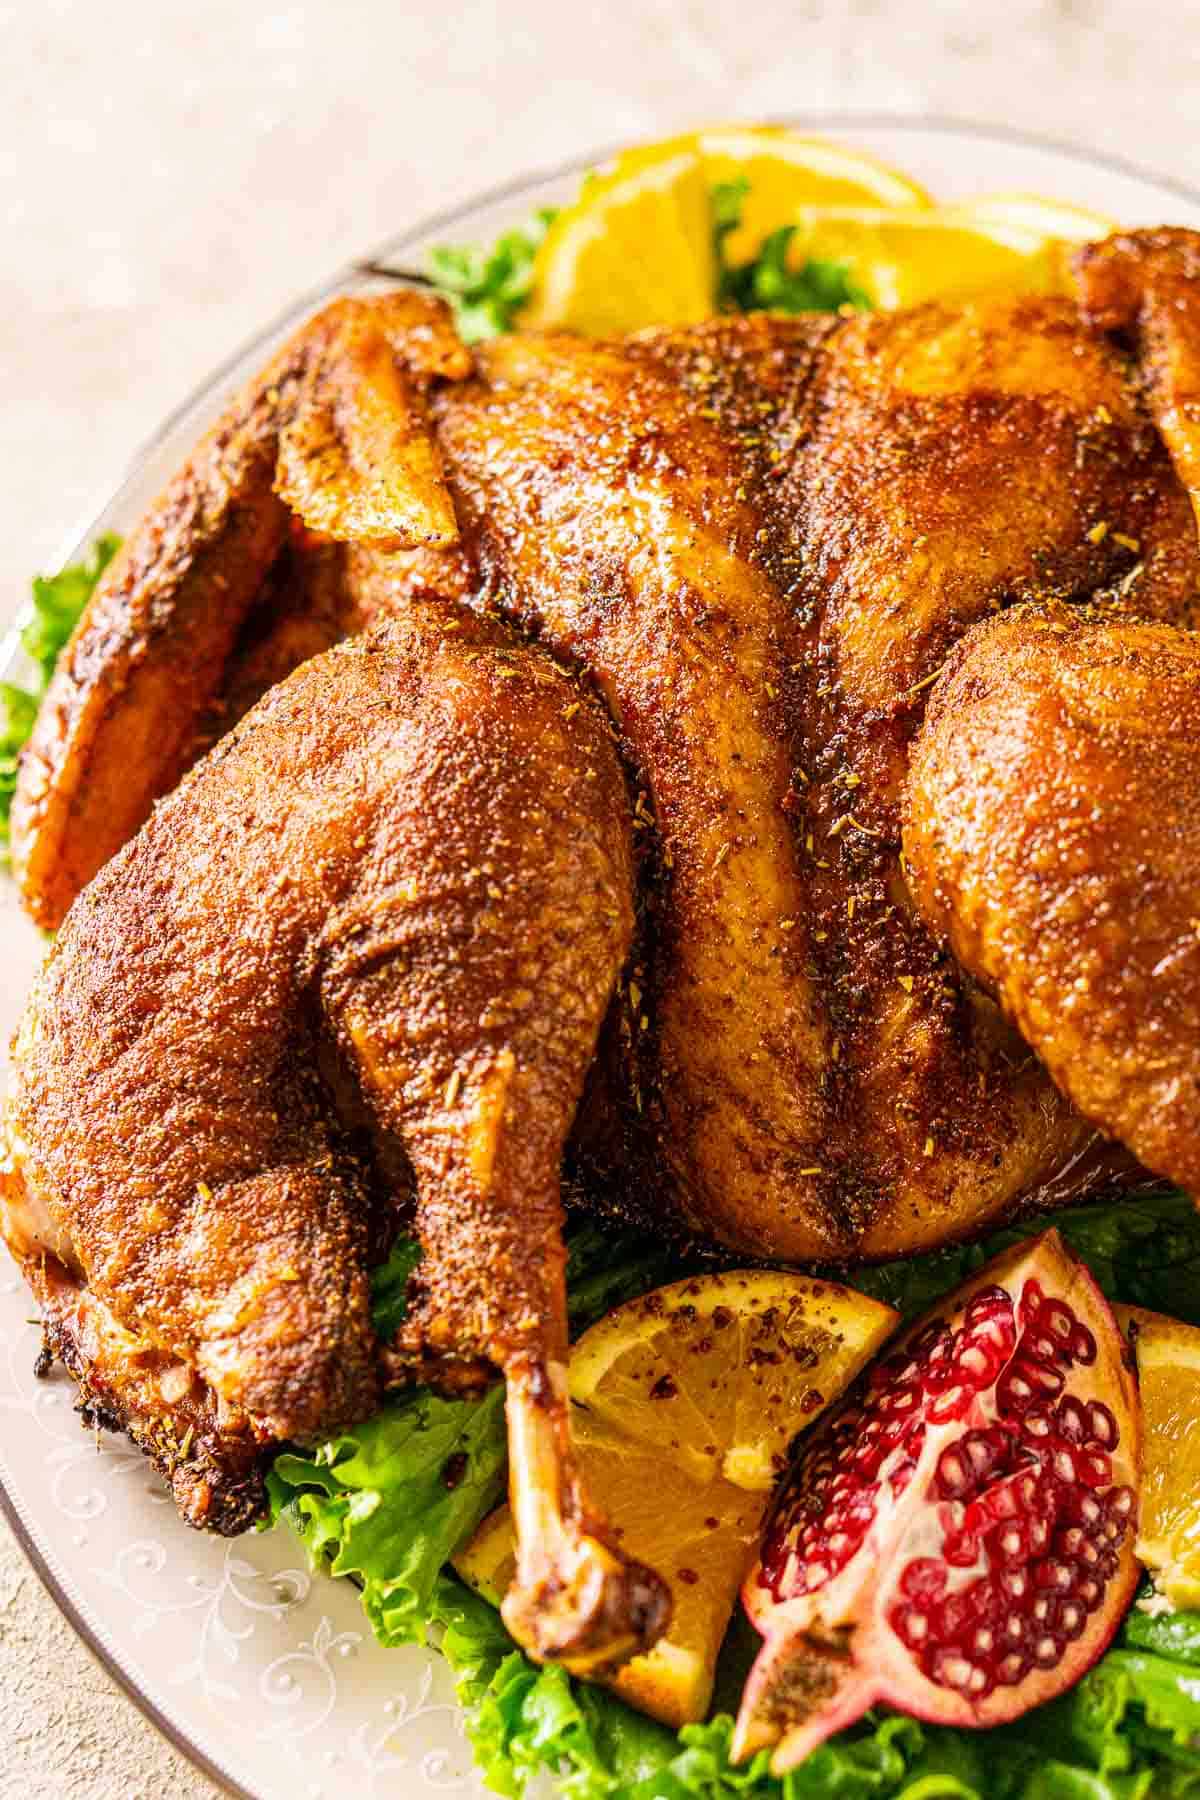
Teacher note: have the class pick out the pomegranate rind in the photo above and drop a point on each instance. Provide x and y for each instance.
(1035, 1547)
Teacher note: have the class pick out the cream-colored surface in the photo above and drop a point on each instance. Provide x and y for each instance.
(170, 176)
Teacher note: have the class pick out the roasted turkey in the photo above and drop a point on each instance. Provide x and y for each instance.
(756, 763)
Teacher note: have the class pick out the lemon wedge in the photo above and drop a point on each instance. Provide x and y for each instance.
(684, 1404)
(1168, 1359)
(784, 171)
(636, 248)
(902, 256)
(1047, 218)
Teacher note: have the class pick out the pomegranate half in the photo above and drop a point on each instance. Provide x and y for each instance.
(957, 1541)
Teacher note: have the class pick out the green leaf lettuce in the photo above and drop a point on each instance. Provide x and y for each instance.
(58, 601)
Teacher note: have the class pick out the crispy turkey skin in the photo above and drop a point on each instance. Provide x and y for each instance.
(607, 788)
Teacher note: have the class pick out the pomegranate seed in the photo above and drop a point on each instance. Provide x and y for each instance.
(1037, 1422)
(924, 1579)
(1003, 1501)
(1082, 1507)
(986, 1304)
(910, 1626)
(1071, 1620)
(961, 1550)
(976, 1519)
(1102, 1426)
(1031, 1300)
(953, 1475)
(1065, 1466)
(955, 1613)
(1015, 1392)
(1015, 1583)
(983, 1641)
(1046, 1652)
(1089, 1592)
(949, 1405)
(982, 1450)
(1044, 1376)
(951, 1669)
(1050, 1573)
(1011, 1544)
(1052, 1497)
(976, 1362)
(1056, 1318)
(1095, 1468)
(1012, 1668)
(1072, 1421)
(1083, 1345)
(943, 1371)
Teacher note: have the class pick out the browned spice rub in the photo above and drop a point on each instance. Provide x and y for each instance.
(374, 938)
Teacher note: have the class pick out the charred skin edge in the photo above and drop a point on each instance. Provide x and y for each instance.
(216, 1474)
(409, 1362)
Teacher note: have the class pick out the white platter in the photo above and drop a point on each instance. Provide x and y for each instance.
(267, 1678)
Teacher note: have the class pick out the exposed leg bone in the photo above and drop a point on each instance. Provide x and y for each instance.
(574, 1600)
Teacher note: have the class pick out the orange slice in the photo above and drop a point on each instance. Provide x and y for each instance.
(902, 256)
(636, 248)
(1168, 1359)
(685, 1403)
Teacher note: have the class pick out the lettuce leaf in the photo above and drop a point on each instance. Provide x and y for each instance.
(1143, 1249)
(58, 601)
(1176, 1635)
(488, 288)
(772, 280)
(391, 1501)
(1130, 1729)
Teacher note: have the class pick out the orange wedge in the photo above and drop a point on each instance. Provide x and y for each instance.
(902, 256)
(636, 248)
(684, 1404)
(1168, 1359)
